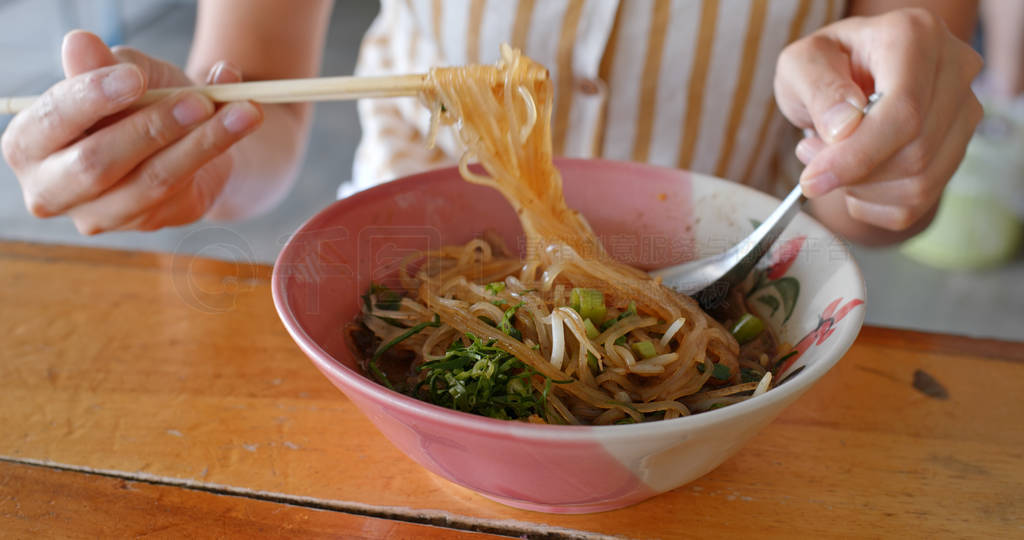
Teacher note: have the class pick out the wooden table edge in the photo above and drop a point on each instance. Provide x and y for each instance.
(418, 516)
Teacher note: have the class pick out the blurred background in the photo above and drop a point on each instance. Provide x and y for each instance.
(963, 276)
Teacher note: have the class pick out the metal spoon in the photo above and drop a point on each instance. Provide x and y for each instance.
(709, 280)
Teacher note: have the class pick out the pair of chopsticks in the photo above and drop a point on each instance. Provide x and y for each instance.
(280, 91)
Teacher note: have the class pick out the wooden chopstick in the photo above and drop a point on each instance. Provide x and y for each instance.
(279, 91)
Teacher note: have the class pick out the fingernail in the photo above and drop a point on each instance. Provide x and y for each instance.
(894, 218)
(123, 83)
(240, 117)
(805, 151)
(224, 72)
(190, 110)
(819, 185)
(840, 121)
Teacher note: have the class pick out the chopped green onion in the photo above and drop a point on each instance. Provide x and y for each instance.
(717, 406)
(589, 303)
(375, 369)
(621, 340)
(626, 420)
(495, 287)
(645, 349)
(595, 367)
(592, 331)
(747, 328)
(721, 372)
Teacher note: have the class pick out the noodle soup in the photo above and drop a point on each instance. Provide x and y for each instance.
(565, 334)
(332, 260)
(631, 363)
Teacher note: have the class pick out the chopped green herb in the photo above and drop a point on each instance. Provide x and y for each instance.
(595, 367)
(621, 340)
(386, 299)
(380, 375)
(630, 311)
(495, 287)
(481, 378)
(626, 420)
(592, 331)
(749, 375)
(716, 370)
(506, 322)
(519, 386)
(747, 328)
(366, 298)
(717, 406)
(644, 349)
(785, 357)
(412, 331)
(721, 372)
(499, 302)
(392, 322)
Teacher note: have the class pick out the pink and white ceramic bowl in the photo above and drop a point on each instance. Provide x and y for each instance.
(809, 286)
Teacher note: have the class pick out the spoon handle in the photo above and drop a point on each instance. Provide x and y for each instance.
(747, 253)
(709, 280)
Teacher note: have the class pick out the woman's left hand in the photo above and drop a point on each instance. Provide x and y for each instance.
(891, 165)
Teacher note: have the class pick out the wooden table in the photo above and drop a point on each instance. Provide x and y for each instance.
(144, 394)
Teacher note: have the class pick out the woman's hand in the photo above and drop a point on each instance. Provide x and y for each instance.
(890, 166)
(79, 151)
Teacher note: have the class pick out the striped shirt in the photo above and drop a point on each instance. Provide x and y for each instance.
(679, 83)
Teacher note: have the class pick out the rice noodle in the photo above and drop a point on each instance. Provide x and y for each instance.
(502, 115)
(763, 384)
(557, 340)
(671, 332)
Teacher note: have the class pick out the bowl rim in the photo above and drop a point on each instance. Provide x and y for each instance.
(354, 381)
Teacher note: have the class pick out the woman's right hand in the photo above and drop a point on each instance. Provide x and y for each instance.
(79, 151)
